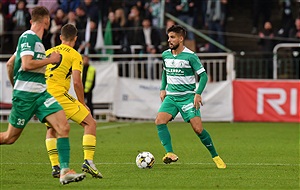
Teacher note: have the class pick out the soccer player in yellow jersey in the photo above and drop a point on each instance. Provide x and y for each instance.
(58, 80)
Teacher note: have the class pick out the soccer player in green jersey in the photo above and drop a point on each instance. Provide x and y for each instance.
(178, 94)
(27, 75)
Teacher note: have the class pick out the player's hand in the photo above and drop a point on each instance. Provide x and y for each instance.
(198, 101)
(55, 57)
(162, 95)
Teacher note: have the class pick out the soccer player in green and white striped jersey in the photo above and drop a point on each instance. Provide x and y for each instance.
(179, 94)
(27, 75)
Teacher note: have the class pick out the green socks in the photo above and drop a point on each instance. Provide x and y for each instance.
(206, 140)
(63, 148)
(165, 137)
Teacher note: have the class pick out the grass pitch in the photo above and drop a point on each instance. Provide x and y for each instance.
(258, 156)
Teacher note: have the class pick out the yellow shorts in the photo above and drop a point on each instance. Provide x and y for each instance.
(74, 110)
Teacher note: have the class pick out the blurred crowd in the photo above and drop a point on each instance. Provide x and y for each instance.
(138, 22)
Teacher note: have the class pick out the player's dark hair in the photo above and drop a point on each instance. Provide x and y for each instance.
(38, 13)
(69, 32)
(178, 30)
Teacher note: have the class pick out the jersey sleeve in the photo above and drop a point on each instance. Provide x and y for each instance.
(196, 64)
(77, 63)
(27, 45)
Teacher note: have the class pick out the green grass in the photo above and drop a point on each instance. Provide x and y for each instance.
(258, 156)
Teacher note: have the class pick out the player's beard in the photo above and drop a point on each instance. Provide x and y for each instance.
(174, 47)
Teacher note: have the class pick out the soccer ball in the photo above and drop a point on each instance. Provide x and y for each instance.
(145, 160)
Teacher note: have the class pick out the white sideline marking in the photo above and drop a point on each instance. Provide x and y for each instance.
(114, 126)
(200, 163)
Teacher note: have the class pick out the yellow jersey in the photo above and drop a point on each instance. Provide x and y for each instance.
(58, 76)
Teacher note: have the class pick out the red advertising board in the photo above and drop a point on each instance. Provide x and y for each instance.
(266, 100)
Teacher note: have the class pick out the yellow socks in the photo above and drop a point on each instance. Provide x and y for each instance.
(52, 151)
(89, 144)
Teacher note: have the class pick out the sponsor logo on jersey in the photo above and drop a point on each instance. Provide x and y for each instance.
(25, 46)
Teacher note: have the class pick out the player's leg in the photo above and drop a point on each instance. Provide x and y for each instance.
(10, 135)
(205, 138)
(59, 122)
(86, 120)
(51, 142)
(49, 110)
(166, 112)
(21, 112)
(162, 129)
(51, 139)
(89, 145)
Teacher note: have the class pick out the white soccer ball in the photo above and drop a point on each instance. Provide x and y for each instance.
(145, 160)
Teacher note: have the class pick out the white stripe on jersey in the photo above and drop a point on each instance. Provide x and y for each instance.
(177, 63)
(181, 79)
(29, 86)
(200, 71)
(179, 93)
(26, 53)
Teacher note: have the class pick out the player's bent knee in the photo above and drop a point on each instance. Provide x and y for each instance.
(159, 121)
(63, 130)
(198, 131)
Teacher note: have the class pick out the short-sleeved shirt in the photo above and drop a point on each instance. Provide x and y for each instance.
(59, 75)
(29, 84)
(29, 94)
(58, 79)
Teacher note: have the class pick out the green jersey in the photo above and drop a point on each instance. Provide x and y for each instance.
(29, 84)
(180, 72)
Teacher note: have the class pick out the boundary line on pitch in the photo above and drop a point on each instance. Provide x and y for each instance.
(114, 126)
(199, 163)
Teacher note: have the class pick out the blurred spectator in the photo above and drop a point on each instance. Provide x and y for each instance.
(154, 8)
(185, 12)
(1, 28)
(120, 17)
(170, 7)
(7, 7)
(69, 5)
(120, 34)
(287, 20)
(150, 38)
(87, 46)
(72, 19)
(56, 24)
(82, 18)
(118, 22)
(134, 22)
(260, 7)
(91, 10)
(20, 20)
(295, 34)
(215, 19)
(104, 6)
(115, 27)
(51, 5)
(139, 4)
(267, 43)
